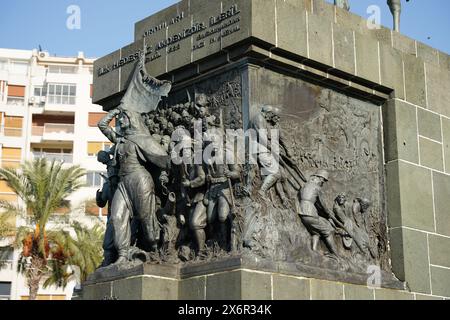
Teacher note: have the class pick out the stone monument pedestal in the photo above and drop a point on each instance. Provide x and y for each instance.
(234, 278)
(353, 101)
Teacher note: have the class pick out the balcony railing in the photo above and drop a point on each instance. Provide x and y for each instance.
(62, 70)
(10, 132)
(10, 163)
(15, 101)
(59, 128)
(60, 219)
(37, 131)
(53, 128)
(6, 265)
(62, 157)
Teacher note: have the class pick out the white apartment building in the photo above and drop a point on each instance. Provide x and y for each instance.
(46, 111)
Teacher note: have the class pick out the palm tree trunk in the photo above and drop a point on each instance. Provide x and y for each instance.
(33, 285)
(34, 276)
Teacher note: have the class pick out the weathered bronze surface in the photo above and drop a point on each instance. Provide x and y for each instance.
(321, 208)
(303, 193)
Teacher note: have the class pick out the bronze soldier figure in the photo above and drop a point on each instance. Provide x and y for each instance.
(277, 165)
(135, 197)
(341, 210)
(104, 198)
(169, 223)
(318, 226)
(219, 194)
(360, 208)
(196, 184)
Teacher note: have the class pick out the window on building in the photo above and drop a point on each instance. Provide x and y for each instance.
(62, 69)
(17, 67)
(16, 95)
(94, 179)
(39, 94)
(6, 254)
(3, 65)
(13, 126)
(95, 147)
(5, 290)
(39, 91)
(61, 93)
(11, 157)
(16, 91)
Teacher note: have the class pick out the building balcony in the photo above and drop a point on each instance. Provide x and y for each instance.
(37, 104)
(42, 108)
(11, 132)
(57, 69)
(52, 132)
(67, 158)
(7, 273)
(6, 265)
(15, 101)
(41, 105)
(10, 163)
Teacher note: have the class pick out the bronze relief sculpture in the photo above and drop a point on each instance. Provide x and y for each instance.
(180, 193)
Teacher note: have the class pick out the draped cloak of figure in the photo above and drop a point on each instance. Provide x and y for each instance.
(138, 154)
(135, 196)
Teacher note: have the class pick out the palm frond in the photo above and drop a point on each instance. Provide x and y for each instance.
(87, 249)
(59, 262)
(21, 234)
(6, 226)
(43, 186)
(16, 181)
(12, 209)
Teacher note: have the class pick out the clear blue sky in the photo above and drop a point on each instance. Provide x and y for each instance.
(107, 25)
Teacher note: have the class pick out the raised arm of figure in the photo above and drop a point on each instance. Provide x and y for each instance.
(200, 179)
(104, 127)
(320, 204)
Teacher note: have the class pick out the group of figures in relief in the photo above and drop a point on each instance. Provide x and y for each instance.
(163, 211)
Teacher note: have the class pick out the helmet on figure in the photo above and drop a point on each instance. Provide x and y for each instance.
(271, 109)
(322, 174)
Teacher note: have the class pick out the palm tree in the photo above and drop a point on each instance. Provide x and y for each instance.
(43, 188)
(83, 252)
(87, 252)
